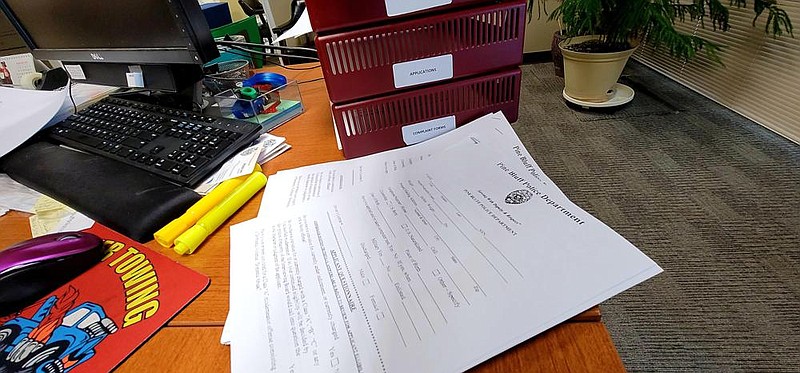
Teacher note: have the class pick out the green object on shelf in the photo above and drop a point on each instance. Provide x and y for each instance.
(247, 27)
(249, 92)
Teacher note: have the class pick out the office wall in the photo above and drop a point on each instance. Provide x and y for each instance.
(281, 10)
(539, 31)
(761, 77)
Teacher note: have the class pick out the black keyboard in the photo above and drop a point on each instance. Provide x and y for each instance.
(180, 146)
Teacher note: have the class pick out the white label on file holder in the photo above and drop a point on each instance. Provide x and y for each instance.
(422, 71)
(419, 132)
(398, 7)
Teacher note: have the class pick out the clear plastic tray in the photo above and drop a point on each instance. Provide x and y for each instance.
(270, 109)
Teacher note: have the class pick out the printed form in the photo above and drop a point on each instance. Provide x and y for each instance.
(300, 185)
(432, 267)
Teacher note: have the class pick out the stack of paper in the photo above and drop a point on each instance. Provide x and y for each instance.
(25, 111)
(433, 257)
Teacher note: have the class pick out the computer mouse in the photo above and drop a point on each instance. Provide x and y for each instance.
(31, 269)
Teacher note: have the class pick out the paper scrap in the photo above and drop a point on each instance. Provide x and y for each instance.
(15, 196)
(52, 216)
(272, 147)
(271, 155)
(241, 164)
(302, 27)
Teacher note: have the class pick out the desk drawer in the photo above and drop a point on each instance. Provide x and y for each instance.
(405, 118)
(390, 58)
(327, 15)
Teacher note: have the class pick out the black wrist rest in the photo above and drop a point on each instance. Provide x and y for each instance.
(124, 198)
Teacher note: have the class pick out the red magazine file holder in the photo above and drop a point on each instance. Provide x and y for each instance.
(365, 63)
(375, 125)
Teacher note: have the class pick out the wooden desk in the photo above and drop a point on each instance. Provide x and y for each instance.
(190, 342)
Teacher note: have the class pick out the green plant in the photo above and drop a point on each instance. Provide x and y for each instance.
(653, 22)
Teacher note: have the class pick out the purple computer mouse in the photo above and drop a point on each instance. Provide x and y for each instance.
(31, 269)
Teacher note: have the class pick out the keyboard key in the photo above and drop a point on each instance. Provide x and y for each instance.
(134, 142)
(165, 165)
(125, 152)
(148, 136)
(178, 168)
(189, 171)
(190, 159)
(212, 152)
(80, 138)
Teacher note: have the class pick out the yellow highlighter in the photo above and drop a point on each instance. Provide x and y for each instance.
(188, 242)
(166, 236)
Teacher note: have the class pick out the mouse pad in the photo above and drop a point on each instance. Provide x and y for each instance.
(92, 323)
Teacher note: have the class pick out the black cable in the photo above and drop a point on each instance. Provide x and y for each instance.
(69, 91)
(265, 46)
(309, 81)
(293, 68)
(238, 53)
(274, 54)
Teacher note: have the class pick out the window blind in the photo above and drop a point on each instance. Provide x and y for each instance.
(761, 76)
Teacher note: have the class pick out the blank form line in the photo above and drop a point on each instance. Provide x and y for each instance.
(451, 279)
(344, 238)
(451, 204)
(510, 263)
(385, 221)
(504, 257)
(412, 320)
(336, 236)
(472, 243)
(417, 230)
(432, 298)
(422, 308)
(458, 259)
(435, 215)
(388, 307)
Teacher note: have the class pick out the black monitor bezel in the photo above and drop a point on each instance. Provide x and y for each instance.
(200, 46)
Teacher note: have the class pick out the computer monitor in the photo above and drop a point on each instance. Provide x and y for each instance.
(101, 41)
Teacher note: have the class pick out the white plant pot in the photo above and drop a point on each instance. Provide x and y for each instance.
(591, 76)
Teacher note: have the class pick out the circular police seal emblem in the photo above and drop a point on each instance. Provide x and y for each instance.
(518, 197)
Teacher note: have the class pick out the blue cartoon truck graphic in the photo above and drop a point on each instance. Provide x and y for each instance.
(55, 339)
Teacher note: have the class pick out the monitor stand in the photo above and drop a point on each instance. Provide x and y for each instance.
(176, 86)
(190, 99)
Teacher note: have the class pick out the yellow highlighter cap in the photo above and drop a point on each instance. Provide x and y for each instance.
(190, 240)
(167, 235)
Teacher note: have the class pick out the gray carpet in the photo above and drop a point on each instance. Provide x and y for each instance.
(711, 196)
